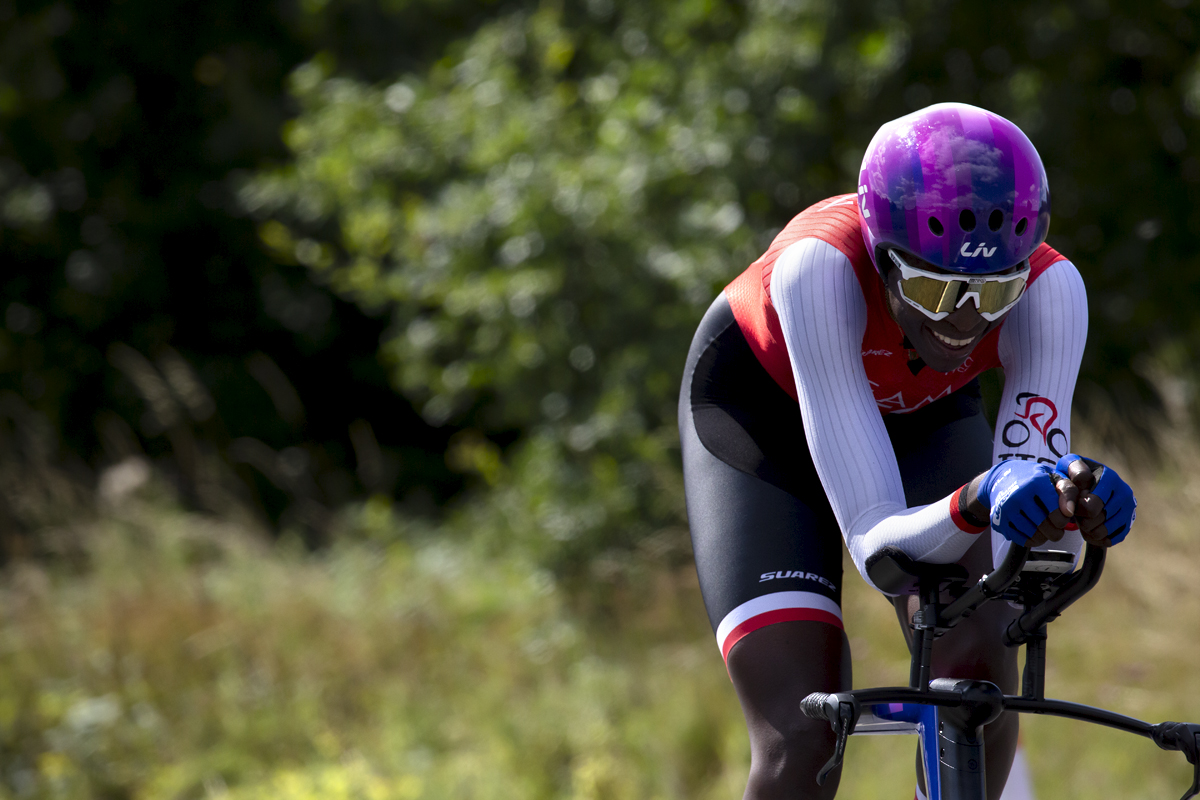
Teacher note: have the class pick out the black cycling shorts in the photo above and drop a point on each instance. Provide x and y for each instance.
(767, 545)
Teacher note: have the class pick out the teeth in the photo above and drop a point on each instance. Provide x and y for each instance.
(953, 342)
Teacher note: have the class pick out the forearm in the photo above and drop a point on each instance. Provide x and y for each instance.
(937, 533)
(1041, 346)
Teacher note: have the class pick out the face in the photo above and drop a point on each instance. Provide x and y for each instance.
(943, 344)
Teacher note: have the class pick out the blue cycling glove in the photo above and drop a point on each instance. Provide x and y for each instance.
(1120, 506)
(1021, 495)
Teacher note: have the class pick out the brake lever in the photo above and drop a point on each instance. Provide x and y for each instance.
(847, 718)
(1191, 753)
(1184, 737)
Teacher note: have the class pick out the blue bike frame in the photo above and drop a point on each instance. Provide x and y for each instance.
(948, 717)
(889, 719)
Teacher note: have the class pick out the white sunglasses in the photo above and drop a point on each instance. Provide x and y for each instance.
(937, 295)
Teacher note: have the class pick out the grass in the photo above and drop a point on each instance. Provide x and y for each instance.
(188, 659)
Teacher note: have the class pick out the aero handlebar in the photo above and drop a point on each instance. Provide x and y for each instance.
(965, 706)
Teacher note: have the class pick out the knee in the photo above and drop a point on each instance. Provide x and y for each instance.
(785, 763)
(774, 669)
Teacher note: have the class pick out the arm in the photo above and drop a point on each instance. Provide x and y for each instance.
(824, 316)
(1041, 347)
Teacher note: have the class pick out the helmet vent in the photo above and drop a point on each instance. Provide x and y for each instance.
(995, 220)
(935, 226)
(966, 220)
(1021, 226)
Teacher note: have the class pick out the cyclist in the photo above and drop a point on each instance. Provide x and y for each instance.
(832, 387)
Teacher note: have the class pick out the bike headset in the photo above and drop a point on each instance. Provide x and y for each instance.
(959, 188)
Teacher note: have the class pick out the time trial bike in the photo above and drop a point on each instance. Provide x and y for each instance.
(948, 714)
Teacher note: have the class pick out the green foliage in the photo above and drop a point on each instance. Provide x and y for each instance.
(513, 213)
(544, 214)
(544, 211)
(190, 659)
(139, 315)
(539, 237)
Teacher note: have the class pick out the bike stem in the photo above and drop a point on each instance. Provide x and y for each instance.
(932, 619)
(1030, 628)
(955, 765)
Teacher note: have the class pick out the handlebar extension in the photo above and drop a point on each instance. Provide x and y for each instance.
(989, 586)
(1029, 623)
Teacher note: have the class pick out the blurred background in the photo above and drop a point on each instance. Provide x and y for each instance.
(339, 352)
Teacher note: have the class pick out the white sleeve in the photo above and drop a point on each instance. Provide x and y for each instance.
(1040, 347)
(824, 317)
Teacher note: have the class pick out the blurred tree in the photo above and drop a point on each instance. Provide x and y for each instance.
(545, 211)
(139, 311)
(514, 213)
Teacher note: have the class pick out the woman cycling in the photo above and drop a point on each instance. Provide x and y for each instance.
(830, 394)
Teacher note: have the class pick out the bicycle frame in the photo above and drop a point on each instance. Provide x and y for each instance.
(949, 715)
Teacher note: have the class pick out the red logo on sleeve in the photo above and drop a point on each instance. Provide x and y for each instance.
(1040, 412)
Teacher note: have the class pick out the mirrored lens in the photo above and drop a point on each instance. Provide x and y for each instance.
(938, 296)
(993, 295)
(930, 293)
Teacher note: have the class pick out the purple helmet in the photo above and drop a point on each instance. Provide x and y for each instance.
(957, 186)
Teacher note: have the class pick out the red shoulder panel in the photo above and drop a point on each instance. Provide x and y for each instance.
(1041, 260)
(886, 358)
(835, 221)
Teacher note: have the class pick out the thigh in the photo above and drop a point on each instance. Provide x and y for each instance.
(776, 667)
(766, 543)
(762, 555)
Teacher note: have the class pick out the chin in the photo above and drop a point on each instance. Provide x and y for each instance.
(942, 358)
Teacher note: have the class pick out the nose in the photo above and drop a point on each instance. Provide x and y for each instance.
(966, 317)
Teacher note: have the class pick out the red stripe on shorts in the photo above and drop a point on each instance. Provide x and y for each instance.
(771, 617)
